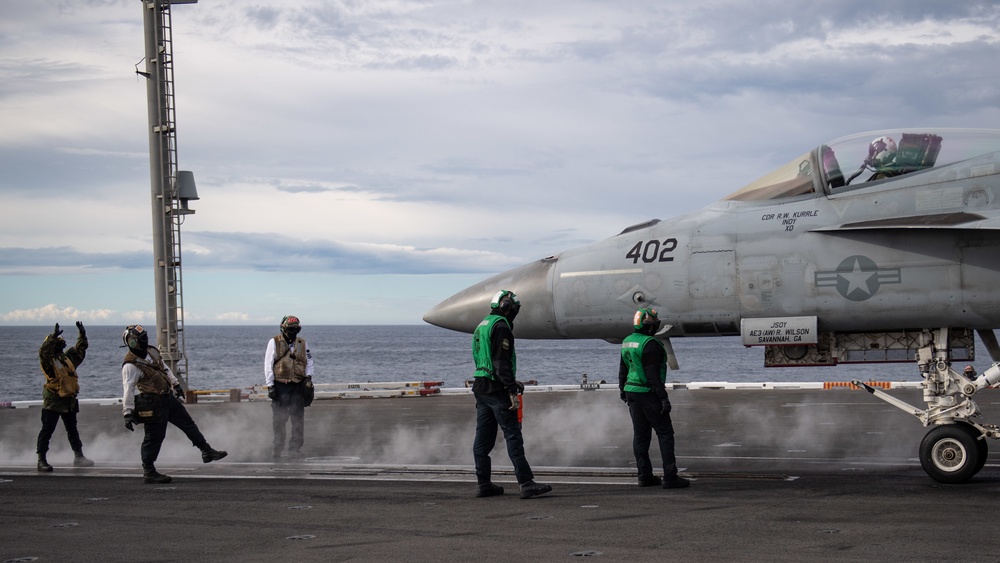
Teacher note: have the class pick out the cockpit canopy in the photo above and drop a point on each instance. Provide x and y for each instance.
(854, 161)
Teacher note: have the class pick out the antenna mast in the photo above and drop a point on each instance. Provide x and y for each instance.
(170, 189)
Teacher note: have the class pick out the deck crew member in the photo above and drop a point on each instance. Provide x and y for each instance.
(154, 397)
(641, 377)
(288, 370)
(497, 397)
(59, 393)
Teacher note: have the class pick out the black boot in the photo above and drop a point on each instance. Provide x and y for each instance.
(43, 464)
(488, 490)
(209, 455)
(152, 477)
(533, 489)
(649, 481)
(676, 483)
(79, 460)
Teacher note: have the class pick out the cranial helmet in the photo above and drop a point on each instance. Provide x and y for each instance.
(136, 338)
(881, 152)
(505, 303)
(57, 342)
(646, 320)
(290, 326)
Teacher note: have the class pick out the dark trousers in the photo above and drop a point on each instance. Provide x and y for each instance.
(289, 404)
(646, 418)
(50, 419)
(157, 431)
(493, 411)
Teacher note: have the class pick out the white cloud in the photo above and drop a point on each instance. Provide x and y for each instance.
(231, 316)
(446, 137)
(53, 313)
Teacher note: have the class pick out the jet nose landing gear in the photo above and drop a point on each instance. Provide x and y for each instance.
(955, 449)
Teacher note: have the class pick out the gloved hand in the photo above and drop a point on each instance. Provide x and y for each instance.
(179, 392)
(79, 326)
(520, 387)
(56, 332)
(623, 397)
(665, 406)
(515, 402)
(272, 394)
(129, 421)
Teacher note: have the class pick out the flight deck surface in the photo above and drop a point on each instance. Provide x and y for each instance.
(789, 475)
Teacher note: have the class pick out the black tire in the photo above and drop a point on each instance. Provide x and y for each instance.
(982, 448)
(949, 454)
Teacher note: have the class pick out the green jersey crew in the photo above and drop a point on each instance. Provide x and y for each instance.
(641, 378)
(496, 389)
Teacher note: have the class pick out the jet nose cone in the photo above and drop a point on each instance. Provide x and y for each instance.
(464, 310)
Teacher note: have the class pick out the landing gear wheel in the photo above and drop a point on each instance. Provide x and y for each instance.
(950, 454)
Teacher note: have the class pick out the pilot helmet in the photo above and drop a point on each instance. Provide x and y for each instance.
(646, 320)
(881, 152)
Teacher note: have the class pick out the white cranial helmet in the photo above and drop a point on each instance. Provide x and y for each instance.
(881, 151)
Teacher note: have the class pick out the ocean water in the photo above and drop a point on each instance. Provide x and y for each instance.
(228, 357)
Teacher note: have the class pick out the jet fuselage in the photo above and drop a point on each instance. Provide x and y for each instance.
(908, 251)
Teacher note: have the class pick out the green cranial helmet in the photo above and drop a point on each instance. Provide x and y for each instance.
(504, 301)
(646, 318)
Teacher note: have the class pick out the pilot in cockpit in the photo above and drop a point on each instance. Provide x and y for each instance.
(881, 160)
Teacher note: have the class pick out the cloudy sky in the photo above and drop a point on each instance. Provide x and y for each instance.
(358, 162)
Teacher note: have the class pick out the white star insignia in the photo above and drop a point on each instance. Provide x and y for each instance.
(857, 279)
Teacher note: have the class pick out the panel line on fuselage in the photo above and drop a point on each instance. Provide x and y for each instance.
(600, 273)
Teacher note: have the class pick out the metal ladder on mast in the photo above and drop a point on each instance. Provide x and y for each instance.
(171, 338)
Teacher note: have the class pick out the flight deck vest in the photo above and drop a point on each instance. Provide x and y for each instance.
(289, 367)
(63, 381)
(154, 372)
(632, 348)
(481, 348)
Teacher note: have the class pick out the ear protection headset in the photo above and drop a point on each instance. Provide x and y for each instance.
(645, 317)
(132, 335)
(504, 300)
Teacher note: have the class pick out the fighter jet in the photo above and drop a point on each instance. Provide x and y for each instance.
(877, 247)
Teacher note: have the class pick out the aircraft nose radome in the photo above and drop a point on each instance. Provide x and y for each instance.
(464, 310)
(461, 312)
